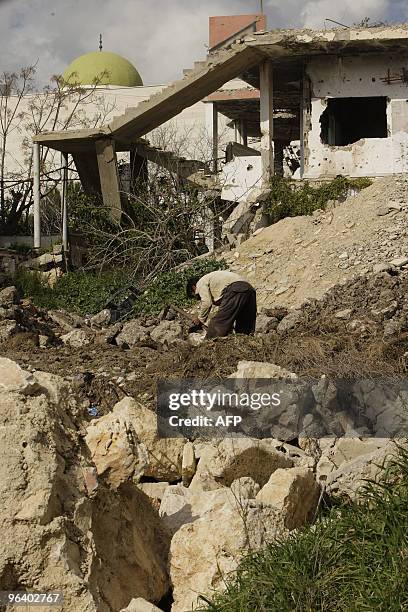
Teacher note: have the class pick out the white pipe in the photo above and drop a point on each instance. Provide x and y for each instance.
(64, 203)
(37, 195)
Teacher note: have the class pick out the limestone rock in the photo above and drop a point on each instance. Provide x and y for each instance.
(398, 262)
(346, 480)
(132, 333)
(66, 321)
(345, 463)
(14, 379)
(44, 341)
(7, 329)
(232, 458)
(289, 322)
(245, 488)
(56, 529)
(167, 332)
(154, 490)
(205, 551)
(265, 324)
(8, 297)
(76, 338)
(188, 466)
(181, 505)
(164, 454)
(261, 369)
(294, 492)
(140, 605)
(101, 319)
(195, 339)
(115, 449)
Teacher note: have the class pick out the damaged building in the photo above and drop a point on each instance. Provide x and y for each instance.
(305, 104)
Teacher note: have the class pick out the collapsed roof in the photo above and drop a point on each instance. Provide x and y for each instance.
(285, 49)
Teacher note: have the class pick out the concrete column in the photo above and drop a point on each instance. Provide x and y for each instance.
(305, 121)
(279, 150)
(64, 201)
(37, 195)
(243, 132)
(267, 149)
(215, 137)
(109, 177)
(241, 136)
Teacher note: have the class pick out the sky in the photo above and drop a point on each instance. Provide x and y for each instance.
(160, 37)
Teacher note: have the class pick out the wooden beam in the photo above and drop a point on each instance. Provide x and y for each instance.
(267, 150)
(109, 177)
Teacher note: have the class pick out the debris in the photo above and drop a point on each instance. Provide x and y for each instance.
(93, 411)
(294, 492)
(76, 338)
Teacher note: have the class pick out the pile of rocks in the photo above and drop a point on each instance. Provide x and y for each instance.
(303, 257)
(55, 327)
(84, 508)
(375, 303)
(62, 528)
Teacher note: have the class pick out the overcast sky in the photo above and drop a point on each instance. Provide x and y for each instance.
(161, 37)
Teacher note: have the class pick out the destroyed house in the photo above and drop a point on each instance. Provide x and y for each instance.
(307, 104)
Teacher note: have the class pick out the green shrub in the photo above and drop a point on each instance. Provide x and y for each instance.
(289, 198)
(87, 293)
(81, 292)
(354, 559)
(170, 287)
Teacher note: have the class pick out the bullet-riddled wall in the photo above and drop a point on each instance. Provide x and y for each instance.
(359, 116)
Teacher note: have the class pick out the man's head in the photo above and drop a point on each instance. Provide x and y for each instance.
(191, 287)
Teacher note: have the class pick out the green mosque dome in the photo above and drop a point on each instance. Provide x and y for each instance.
(89, 68)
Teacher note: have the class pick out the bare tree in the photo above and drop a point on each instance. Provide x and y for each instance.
(24, 113)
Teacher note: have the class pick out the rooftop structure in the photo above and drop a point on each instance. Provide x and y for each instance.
(102, 68)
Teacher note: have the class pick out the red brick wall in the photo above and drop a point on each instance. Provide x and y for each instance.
(222, 28)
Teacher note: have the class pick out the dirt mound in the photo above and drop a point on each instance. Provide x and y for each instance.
(302, 257)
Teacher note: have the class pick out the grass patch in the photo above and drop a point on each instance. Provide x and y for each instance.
(354, 559)
(290, 198)
(80, 292)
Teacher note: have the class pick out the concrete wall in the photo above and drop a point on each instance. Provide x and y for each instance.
(46, 241)
(241, 175)
(187, 131)
(358, 76)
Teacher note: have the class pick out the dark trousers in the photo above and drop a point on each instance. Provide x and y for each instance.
(237, 306)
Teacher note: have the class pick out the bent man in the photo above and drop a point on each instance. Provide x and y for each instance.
(235, 297)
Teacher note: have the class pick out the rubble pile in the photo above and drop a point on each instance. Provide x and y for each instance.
(120, 519)
(373, 304)
(96, 504)
(303, 257)
(59, 327)
(63, 529)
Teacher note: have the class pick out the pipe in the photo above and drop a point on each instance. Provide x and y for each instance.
(64, 203)
(37, 195)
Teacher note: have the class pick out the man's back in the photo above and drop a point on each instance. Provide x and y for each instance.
(215, 283)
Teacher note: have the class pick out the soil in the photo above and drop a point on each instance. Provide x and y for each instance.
(356, 344)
